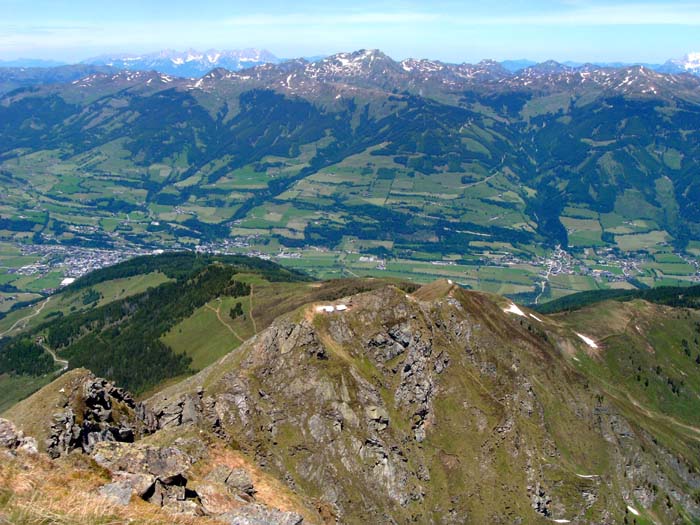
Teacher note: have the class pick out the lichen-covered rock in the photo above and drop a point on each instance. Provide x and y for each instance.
(161, 476)
(163, 463)
(215, 498)
(259, 515)
(118, 492)
(182, 410)
(237, 480)
(96, 411)
(13, 439)
(156, 474)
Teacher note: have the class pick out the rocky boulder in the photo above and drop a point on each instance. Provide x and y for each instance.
(156, 474)
(96, 411)
(13, 439)
(162, 475)
(260, 515)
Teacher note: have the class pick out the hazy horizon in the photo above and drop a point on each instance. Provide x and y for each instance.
(116, 54)
(563, 30)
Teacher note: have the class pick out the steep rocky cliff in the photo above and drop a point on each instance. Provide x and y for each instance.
(441, 406)
(436, 407)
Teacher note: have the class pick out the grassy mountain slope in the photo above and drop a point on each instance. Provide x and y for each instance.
(152, 319)
(668, 295)
(102, 319)
(449, 410)
(438, 405)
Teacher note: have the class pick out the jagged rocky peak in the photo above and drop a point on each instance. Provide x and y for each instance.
(422, 66)
(436, 406)
(690, 63)
(547, 69)
(217, 74)
(486, 70)
(188, 63)
(79, 410)
(348, 73)
(550, 66)
(355, 63)
(392, 406)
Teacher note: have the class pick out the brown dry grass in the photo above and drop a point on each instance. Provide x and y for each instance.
(37, 491)
(433, 291)
(269, 490)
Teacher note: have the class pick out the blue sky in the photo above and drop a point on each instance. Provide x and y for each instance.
(450, 30)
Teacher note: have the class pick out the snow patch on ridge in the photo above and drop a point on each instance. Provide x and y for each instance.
(513, 309)
(590, 342)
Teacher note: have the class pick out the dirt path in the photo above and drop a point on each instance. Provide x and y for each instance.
(217, 311)
(250, 313)
(543, 284)
(61, 362)
(25, 319)
(616, 393)
(476, 183)
(348, 270)
(663, 417)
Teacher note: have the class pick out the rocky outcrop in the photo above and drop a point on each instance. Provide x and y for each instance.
(155, 474)
(372, 408)
(183, 410)
(237, 480)
(96, 411)
(435, 407)
(162, 475)
(13, 439)
(260, 515)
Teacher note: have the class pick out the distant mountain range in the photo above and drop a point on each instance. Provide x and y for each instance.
(544, 149)
(190, 63)
(13, 77)
(194, 64)
(690, 63)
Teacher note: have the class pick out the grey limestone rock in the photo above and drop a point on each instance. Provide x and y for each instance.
(237, 480)
(118, 492)
(95, 412)
(13, 439)
(255, 514)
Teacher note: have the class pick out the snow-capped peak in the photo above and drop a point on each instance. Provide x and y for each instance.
(691, 61)
(190, 63)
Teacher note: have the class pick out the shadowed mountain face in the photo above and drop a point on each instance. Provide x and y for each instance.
(441, 155)
(438, 406)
